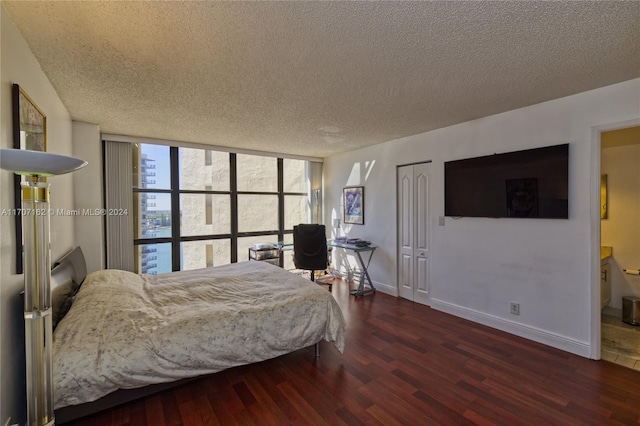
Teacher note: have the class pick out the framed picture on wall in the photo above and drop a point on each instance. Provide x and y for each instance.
(353, 204)
(29, 132)
(30, 123)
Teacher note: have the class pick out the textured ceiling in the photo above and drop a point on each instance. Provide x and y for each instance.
(317, 78)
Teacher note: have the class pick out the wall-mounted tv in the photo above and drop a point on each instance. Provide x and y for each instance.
(533, 183)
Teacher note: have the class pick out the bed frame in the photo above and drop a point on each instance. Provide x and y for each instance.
(72, 268)
(73, 412)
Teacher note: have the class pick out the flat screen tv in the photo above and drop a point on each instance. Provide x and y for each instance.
(533, 183)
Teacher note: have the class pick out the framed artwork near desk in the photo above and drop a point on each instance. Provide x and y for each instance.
(353, 204)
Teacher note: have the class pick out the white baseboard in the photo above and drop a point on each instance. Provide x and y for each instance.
(528, 332)
(386, 289)
(381, 287)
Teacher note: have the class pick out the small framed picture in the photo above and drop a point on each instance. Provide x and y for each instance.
(353, 204)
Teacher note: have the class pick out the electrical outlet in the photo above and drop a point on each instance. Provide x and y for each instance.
(515, 308)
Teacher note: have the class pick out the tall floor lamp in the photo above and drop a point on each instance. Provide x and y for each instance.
(37, 166)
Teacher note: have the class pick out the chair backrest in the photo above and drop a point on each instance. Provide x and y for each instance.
(310, 247)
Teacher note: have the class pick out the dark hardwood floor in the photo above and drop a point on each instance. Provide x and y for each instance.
(404, 364)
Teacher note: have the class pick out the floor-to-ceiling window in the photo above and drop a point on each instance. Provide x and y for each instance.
(196, 208)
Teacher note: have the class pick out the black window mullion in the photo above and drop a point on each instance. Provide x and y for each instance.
(156, 240)
(233, 175)
(203, 191)
(280, 199)
(281, 205)
(154, 190)
(205, 237)
(257, 193)
(175, 208)
(257, 233)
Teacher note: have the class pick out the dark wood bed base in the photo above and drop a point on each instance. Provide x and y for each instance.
(72, 265)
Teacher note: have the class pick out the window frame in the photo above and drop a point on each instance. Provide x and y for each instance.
(175, 239)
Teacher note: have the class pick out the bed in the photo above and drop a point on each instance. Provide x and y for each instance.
(123, 333)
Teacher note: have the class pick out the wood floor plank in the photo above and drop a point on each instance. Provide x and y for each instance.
(306, 411)
(223, 401)
(137, 413)
(442, 413)
(170, 409)
(204, 410)
(120, 416)
(404, 364)
(590, 415)
(153, 409)
(387, 391)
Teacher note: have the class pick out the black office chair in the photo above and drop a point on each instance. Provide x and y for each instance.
(310, 249)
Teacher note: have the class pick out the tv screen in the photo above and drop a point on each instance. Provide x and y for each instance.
(533, 183)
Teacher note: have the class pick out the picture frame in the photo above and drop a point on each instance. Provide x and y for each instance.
(353, 205)
(29, 124)
(604, 213)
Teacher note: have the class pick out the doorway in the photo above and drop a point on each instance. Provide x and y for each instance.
(413, 184)
(620, 242)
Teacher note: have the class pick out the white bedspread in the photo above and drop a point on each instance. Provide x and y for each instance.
(126, 330)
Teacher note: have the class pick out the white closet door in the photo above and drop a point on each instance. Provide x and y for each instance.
(413, 232)
(421, 183)
(405, 232)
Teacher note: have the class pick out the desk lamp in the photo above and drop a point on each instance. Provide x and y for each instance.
(37, 166)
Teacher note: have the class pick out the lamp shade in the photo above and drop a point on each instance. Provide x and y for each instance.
(26, 162)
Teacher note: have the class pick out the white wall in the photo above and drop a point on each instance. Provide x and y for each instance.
(621, 229)
(18, 65)
(479, 265)
(88, 193)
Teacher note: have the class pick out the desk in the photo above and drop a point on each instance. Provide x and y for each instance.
(366, 279)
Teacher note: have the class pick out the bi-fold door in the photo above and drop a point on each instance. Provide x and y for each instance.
(413, 232)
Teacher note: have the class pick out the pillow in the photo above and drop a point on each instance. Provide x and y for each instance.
(59, 298)
(62, 311)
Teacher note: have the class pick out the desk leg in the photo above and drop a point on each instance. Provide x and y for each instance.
(361, 291)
